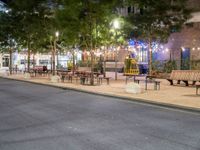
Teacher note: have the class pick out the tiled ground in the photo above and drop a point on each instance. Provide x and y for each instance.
(172, 95)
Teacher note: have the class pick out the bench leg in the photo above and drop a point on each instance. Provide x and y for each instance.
(62, 78)
(137, 81)
(155, 86)
(107, 81)
(171, 81)
(158, 86)
(98, 81)
(186, 83)
(69, 78)
(145, 85)
(197, 90)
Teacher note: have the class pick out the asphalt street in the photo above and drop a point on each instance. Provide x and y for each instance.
(36, 117)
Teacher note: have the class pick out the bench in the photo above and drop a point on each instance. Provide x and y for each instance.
(85, 80)
(150, 79)
(106, 78)
(42, 70)
(65, 74)
(184, 76)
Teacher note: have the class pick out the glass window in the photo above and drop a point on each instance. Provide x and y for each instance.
(142, 55)
(5, 61)
(44, 61)
(23, 61)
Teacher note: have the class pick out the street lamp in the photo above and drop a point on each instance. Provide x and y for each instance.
(54, 51)
(57, 35)
(116, 26)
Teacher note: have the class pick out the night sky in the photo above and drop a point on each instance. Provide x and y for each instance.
(5, 1)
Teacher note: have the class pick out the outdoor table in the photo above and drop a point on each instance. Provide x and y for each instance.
(128, 76)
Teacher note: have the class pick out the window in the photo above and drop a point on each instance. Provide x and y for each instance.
(143, 55)
(44, 61)
(23, 61)
(5, 61)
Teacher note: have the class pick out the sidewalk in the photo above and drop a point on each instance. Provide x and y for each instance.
(175, 96)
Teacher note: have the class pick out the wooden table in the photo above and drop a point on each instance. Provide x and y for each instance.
(128, 76)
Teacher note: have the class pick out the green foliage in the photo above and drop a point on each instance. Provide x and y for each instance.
(8, 31)
(86, 23)
(164, 66)
(169, 66)
(185, 64)
(157, 18)
(158, 66)
(33, 18)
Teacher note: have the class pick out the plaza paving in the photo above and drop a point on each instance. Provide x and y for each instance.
(177, 95)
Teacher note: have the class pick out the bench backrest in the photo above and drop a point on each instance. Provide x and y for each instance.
(84, 69)
(187, 75)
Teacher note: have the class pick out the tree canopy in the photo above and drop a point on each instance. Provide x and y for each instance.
(88, 24)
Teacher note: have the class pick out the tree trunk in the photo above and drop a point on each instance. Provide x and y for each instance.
(150, 57)
(10, 64)
(104, 64)
(73, 61)
(53, 57)
(92, 68)
(116, 57)
(29, 55)
(34, 61)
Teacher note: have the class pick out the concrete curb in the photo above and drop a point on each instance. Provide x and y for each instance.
(136, 100)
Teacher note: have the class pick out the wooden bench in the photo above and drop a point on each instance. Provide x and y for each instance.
(185, 76)
(150, 79)
(65, 74)
(106, 78)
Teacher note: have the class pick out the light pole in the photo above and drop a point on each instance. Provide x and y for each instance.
(54, 51)
(57, 35)
(116, 26)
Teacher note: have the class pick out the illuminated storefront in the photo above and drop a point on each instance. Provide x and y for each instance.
(20, 60)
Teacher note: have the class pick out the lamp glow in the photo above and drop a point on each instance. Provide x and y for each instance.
(116, 24)
(57, 34)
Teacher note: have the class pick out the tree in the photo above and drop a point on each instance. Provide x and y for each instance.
(85, 23)
(8, 34)
(31, 21)
(156, 20)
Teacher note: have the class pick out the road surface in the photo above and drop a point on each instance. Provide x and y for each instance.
(35, 117)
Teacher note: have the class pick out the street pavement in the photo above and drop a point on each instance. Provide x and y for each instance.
(36, 117)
